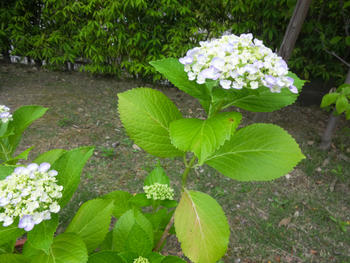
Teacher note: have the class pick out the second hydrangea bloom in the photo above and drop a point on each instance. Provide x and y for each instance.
(238, 62)
(159, 191)
(5, 115)
(31, 194)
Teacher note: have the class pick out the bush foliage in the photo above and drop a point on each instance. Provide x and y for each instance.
(114, 37)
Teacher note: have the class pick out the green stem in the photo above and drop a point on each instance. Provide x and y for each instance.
(4, 150)
(187, 170)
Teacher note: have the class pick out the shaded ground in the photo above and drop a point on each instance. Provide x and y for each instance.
(288, 220)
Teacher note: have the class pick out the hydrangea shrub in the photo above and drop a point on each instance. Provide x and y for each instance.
(234, 71)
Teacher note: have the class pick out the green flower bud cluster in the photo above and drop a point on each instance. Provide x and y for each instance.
(159, 191)
(140, 260)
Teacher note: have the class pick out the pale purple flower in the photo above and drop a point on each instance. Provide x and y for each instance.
(251, 69)
(226, 84)
(210, 73)
(218, 63)
(186, 60)
(293, 89)
(4, 201)
(270, 80)
(44, 167)
(26, 222)
(53, 173)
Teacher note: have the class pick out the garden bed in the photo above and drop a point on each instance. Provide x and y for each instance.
(297, 218)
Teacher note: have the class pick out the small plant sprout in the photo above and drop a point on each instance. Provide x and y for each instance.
(5, 115)
(141, 260)
(159, 191)
(31, 194)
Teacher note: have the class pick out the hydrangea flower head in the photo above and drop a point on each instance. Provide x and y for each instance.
(159, 191)
(238, 62)
(5, 115)
(31, 194)
(141, 260)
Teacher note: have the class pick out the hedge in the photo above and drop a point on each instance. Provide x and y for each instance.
(122, 36)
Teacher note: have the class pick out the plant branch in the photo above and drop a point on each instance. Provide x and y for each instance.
(187, 170)
(165, 234)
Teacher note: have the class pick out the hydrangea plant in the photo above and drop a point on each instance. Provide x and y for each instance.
(31, 194)
(230, 71)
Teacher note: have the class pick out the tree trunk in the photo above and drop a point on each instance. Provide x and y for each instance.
(331, 125)
(294, 28)
(289, 39)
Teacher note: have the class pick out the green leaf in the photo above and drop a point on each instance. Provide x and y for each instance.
(203, 137)
(329, 99)
(22, 155)
(50, 156)
(335, 40)
(174, 71)
(157, 175)
(6, 170)
(172, 259)
(258, 152)
(201, 227)
(66, 247)
(13, 258)
(10, 233)
(347, 40)
(106, 257)
(260, 100)
(121, 202)
(22, 118)
(341, 104)
(69, 167)
(133, 233)
(140, 200)
(146, 115)
(91, 222)
(41, 237)
(155, 257)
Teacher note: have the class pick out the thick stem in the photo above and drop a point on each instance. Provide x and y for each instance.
(171, 222)
(187, 170)
(165, 235)
(328, 133)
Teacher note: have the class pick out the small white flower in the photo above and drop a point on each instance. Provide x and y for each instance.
(31, 194)
(5, 115)
(159, 191)
(141, 260)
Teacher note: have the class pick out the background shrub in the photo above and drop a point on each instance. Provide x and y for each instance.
(114, 37)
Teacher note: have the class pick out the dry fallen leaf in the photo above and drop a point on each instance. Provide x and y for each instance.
(313, 252)
(284, 222)
(135, 147)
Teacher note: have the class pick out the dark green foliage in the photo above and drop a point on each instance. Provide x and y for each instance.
(114, 37)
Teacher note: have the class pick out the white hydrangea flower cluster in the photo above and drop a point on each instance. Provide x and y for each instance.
(238, 62)
(30, 194)
(159, 191)
(141, 260)
(5, 115)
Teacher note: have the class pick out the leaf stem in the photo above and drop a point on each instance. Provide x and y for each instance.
(165, 234)
(187, 170)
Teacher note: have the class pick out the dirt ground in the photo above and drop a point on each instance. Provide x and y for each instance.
(297, 218)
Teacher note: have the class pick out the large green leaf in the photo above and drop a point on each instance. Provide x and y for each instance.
(157, 175)
(69, 167)
(50, 156)
(106, 257)
(133, 233)
(6, 170)
(41, 237)
(121, 202)
(329, 99)
(201, 227)
(66, 248)
(91, 222)
(174, 71)
(341, 104)
(258, 152)
(22, 155)
(13, 258)
(10, 233)
(203, 137)
(22, 118)
(146, 115)
(260, 100)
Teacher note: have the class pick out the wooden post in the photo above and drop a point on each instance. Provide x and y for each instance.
(294, 28)
(289, 39)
